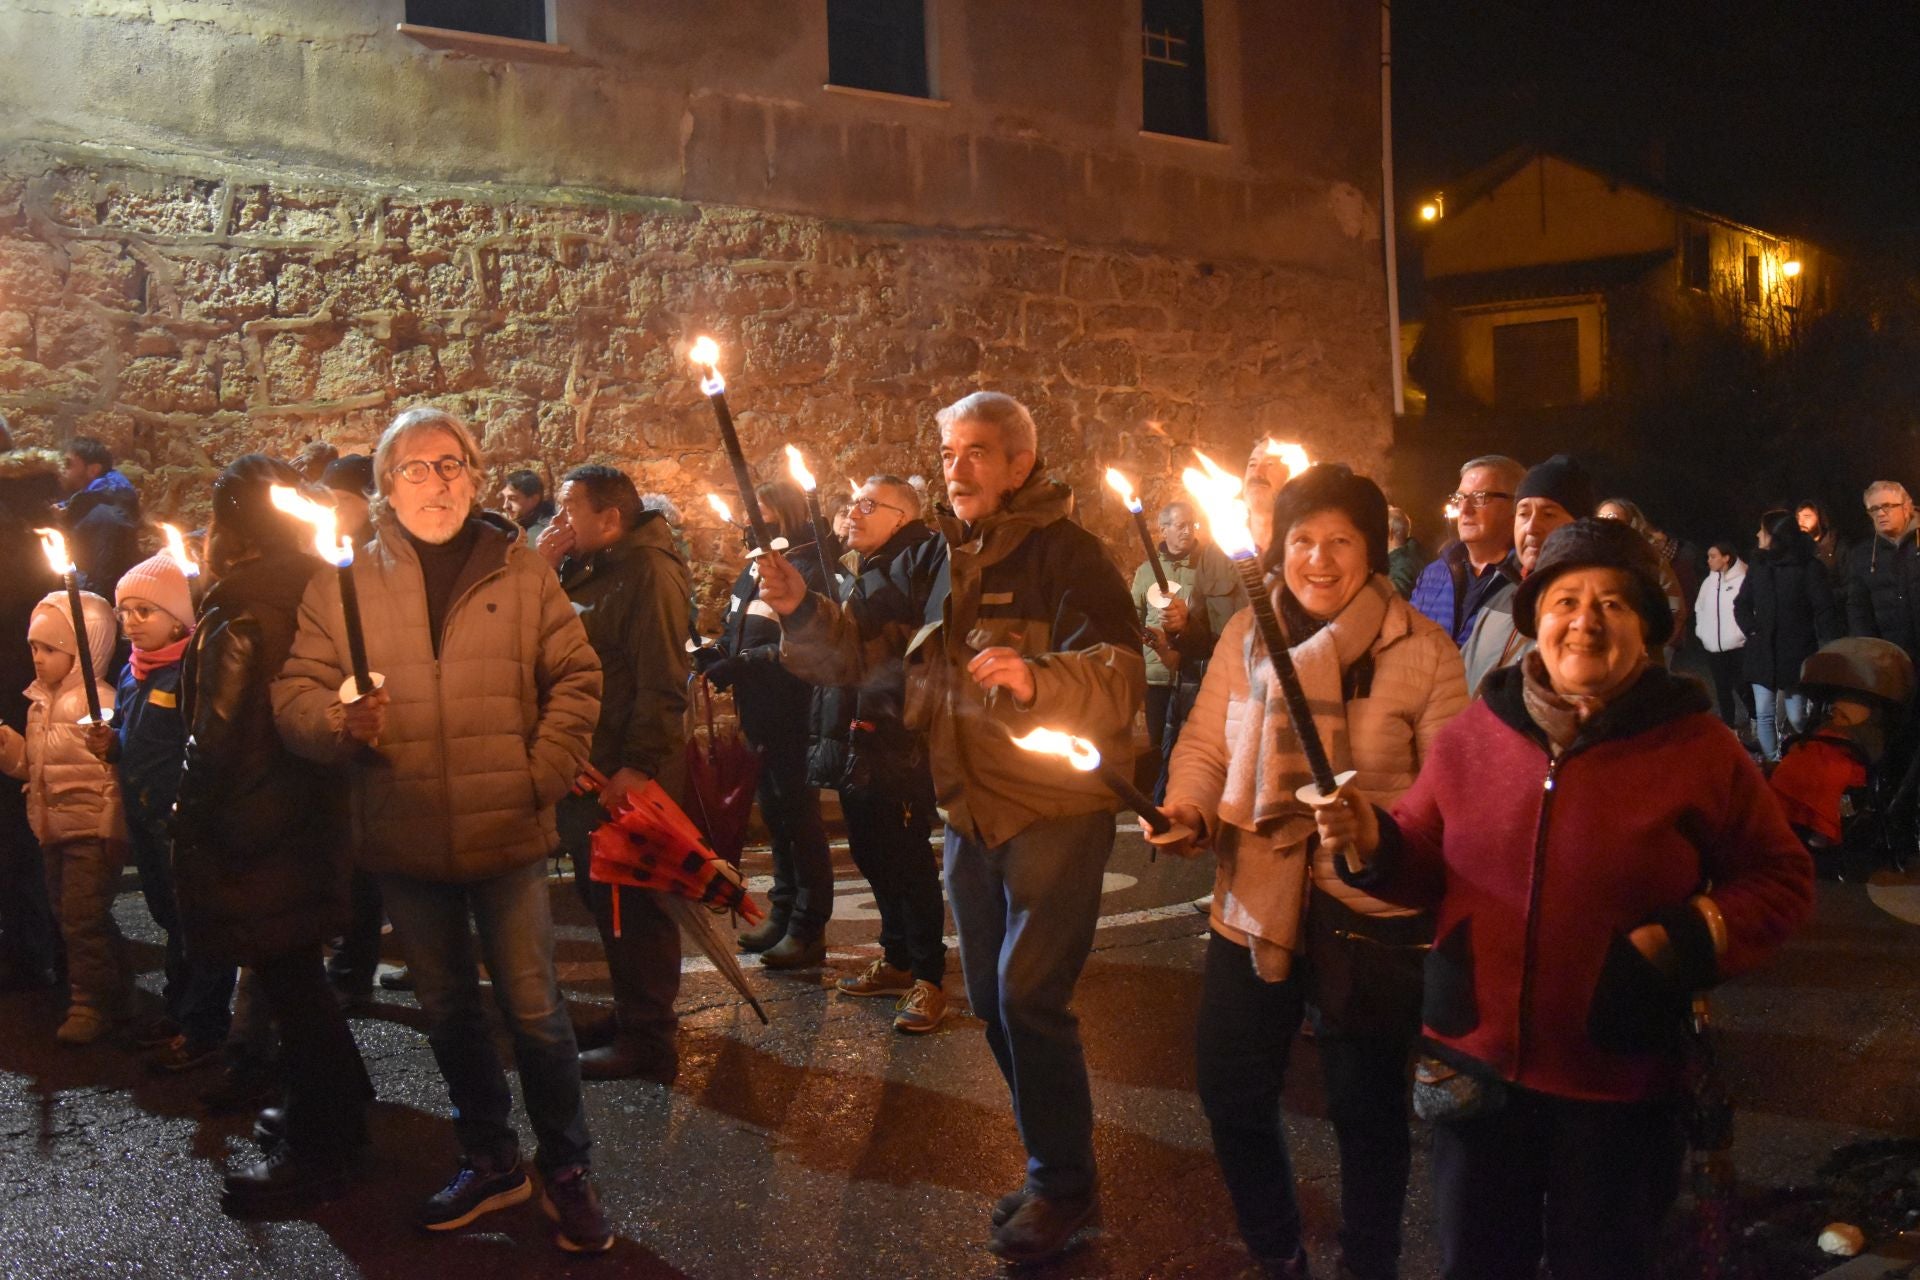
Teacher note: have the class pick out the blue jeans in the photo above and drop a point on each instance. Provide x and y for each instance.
(199, 995)
(1793, 706)
(1026, 912)
(514, 919)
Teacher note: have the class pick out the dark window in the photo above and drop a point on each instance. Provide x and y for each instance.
(1173, 68)
(1536, 365)
(879, 45)
(1696, 258)
(1752, 280)
(517, 19)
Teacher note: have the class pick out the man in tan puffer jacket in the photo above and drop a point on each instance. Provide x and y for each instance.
(490, 697)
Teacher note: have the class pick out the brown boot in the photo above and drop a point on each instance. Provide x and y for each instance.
(792, 952)
(763, 938)
(632, 1055)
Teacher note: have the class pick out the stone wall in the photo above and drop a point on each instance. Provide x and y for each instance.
(189, 314)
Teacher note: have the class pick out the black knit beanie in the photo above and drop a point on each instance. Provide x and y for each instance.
(1563, 479)
(1330, 486)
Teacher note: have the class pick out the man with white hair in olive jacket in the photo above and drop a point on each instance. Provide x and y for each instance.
(1014, 620)
(490, 698)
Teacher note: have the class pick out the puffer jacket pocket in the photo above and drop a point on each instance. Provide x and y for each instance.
(1448, 1005)
(1635, 1007)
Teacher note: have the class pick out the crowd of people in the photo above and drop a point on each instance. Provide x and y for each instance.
(1474, 910)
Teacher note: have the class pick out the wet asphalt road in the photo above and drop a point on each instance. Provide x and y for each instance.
(826, 1145)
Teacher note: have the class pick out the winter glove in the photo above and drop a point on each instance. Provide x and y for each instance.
(725, 671)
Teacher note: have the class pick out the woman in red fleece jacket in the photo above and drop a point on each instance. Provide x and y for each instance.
(1597, 846)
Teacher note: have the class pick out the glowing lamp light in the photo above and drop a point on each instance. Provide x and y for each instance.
(1429, 212)
(177, 548)
(324, 520)
(1790, 268)
(1078, 752)
(1122, 486)
(797, 468)
(1217, 492)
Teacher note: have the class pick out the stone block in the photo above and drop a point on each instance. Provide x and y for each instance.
(1026, 269)
(76, 338)
(783, 351)
(221, 288)
(357, 365)
(290, 365)
(31, 273)
(161, 207)
(283, 214)
(948, 355)
(161, 384)
(103, 272)
(1048, 325)
(16, 331)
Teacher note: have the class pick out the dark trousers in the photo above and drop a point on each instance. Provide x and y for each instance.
(802, 893)
(1367, 1100)
(327, 1084)
(887, 832)
(1243, 1041)
(643, 959)
(199, 995)
(1730, 685)
(358, 959)
(1587, 1185)
(29, 940)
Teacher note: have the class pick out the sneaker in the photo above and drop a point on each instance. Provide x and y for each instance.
(473, 1193)
(84, 1025)
(180, 1055)
(282, 1180)
(878, 979)
(922, 1009)
(1043, 1227)
(579, 1225)
(397, 980)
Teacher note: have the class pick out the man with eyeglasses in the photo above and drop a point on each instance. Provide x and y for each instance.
(1883, 573)
(490, 699)
(1457, 585)
(1014, 620)
(862, 748)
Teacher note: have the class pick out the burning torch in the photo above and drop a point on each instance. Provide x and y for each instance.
(705, 352)
(823, 542)
(54, 543)
(1161, 594)
(338, 552)
(1085, 757)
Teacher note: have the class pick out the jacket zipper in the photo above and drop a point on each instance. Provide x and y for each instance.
(440, 708)
(1533, 914)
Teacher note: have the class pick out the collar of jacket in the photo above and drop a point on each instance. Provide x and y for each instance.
(1034, 505)
(1456, 553)
(911, 534)
(653, 533)
(1658, 697)
(489, 554)
(544, 511)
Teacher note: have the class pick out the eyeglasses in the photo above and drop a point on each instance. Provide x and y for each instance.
(415, 472)
(1886, 508)
(135, 613)
(867, 506)
(1478, 498)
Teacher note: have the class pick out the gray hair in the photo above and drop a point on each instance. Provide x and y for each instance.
(1178, 507)
(1017, 432)
(1398, 525)
(422, 419)
(663, 504)
(915, 500)
(1511, 473)
(1886, 486)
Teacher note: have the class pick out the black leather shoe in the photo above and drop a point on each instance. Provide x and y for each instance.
(1009, 1204)
(632, 1056)
(762, 938)
(283, 1180)
(792, 953)
(594, 1025)
(1043, 1228)
(270, 1127)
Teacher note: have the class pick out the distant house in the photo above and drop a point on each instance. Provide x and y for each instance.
(1550, 283)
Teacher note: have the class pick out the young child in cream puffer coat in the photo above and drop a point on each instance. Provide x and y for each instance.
(73, 804)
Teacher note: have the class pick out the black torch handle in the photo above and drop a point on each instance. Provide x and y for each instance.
(85, 654)
(1136, 799)
(1298, 711)
(742, 477)
(1153, 552)
(356, 636)
(823, 545)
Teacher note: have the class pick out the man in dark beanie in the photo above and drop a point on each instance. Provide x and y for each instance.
(1553, 494)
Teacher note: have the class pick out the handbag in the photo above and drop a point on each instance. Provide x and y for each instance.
(722, 773)
(1444, 1092)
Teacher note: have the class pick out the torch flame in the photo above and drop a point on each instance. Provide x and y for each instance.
(706, 352)
(797, 468)
(720, 507)
(1217, 491)
(1122, 486)
(54, 543)
(853, 488)
(1452, 511)
(177, 548)
(1078, 752)
(1292, 456)
(332, 548)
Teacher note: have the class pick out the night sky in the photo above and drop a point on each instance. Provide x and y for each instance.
(1799, 116)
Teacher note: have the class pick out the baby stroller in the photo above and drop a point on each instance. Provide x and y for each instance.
(1839, 783)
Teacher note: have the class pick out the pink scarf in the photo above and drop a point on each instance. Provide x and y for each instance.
(148, 661)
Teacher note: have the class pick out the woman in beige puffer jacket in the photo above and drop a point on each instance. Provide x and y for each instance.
(1286, 931)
